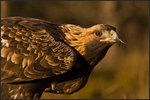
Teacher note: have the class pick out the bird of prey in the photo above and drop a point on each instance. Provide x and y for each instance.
(38, 56)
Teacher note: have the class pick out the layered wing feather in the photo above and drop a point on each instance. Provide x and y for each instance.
(33, 49)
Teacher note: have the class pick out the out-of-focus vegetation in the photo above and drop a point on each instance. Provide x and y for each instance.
(124, 72)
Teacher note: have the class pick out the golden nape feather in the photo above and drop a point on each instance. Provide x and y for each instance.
(38, 55)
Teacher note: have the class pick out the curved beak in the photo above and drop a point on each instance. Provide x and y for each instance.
(116, 37)
(113, 38)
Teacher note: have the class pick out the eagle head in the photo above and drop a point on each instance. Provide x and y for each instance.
(97, 40)
(104, 33)
(93, 42)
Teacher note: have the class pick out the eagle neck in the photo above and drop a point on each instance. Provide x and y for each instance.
(100, 56)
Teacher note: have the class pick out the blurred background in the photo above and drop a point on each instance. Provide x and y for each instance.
(124, 71)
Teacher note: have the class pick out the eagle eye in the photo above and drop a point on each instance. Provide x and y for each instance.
(98, 33)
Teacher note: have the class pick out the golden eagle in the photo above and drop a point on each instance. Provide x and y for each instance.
(38, 55)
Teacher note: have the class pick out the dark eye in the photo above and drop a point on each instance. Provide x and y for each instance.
(98, 33)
